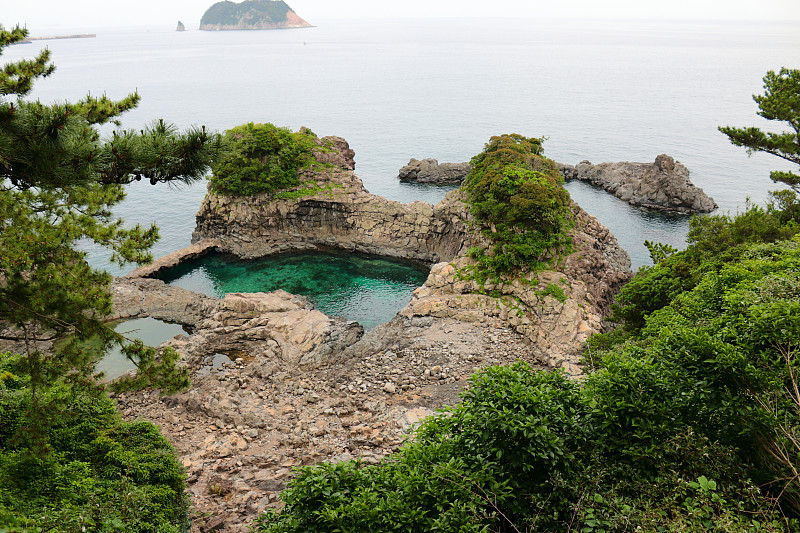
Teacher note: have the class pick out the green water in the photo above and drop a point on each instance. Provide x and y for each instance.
(368, 289)
(150, 331)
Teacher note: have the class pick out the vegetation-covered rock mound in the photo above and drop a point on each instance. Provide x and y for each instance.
(251, 15)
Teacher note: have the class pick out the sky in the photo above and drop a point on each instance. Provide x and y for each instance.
(87, 15)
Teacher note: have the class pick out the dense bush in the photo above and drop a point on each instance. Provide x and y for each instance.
(519, 198)
(688, 427)
(86, 470)
(258, 158)
(714, 241)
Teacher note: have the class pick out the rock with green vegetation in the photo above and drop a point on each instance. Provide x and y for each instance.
(518, 197)
(251, 15)
(552, 295)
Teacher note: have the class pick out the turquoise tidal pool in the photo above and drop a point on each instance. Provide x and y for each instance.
(367, 289)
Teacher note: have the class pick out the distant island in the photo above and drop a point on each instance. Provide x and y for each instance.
(251, 15)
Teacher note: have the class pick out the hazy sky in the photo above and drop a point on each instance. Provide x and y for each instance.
(90, 14)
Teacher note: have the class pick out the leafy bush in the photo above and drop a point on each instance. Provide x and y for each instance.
(258, 158)
(675, 431)
(518, 196)
(714, 242)
(86, 470)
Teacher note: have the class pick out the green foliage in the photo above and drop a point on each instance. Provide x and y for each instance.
(551, 289)
(99, 473)
(66, 461)
(250, 12)
(714, 242)
(258, 158)
(518, 196)
(781, 102)
(309, 188)
(675, 431)
(58, 184)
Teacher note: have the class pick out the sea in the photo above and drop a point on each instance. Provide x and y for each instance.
(598, 90)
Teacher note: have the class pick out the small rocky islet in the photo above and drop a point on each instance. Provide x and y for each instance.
(663, 185)
(298, 387)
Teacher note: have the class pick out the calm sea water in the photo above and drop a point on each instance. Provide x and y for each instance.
(602, 91)
(367, 289)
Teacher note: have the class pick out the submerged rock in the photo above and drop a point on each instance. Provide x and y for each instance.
(663, 184)
(433, 172)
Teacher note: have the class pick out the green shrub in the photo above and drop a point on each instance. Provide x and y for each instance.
(518, 197)
(257, 158)
(85, 470)
(678, 430)
(714, 242)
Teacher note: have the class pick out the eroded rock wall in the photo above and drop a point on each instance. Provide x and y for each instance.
(337, 212)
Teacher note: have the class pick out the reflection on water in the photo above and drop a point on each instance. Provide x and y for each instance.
(368, 289)
(150, 331)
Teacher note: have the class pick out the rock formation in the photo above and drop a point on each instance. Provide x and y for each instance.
(180, 27)
(297, 387)
(663, 184)
(431, 171)
(251, 15)
(341, 214)
(338, 212)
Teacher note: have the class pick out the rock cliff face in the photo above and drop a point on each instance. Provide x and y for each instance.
(433, 172)
(663, 184)
(336, 213)
(251, 15)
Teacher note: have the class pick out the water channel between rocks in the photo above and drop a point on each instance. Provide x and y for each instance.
(149, 330)
(364, 288)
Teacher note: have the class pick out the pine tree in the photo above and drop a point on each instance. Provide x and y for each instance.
(781, 102)
(58, 184)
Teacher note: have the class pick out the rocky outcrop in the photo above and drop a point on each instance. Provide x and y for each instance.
(180, 26)
(663, 184)
(431, 171)
(275, 326)
(277, 384)
(556, 310)
(251, 15)
(335, 212)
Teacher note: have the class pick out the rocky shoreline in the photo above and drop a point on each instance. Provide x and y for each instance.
(663, 185)
(277, 384)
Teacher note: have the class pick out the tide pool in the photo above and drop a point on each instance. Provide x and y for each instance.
(367, 289)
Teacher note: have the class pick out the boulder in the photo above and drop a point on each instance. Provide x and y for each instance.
(663, 185)
(431, 171)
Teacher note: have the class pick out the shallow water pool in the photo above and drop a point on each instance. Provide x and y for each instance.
(150, 331)
(368, 289)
